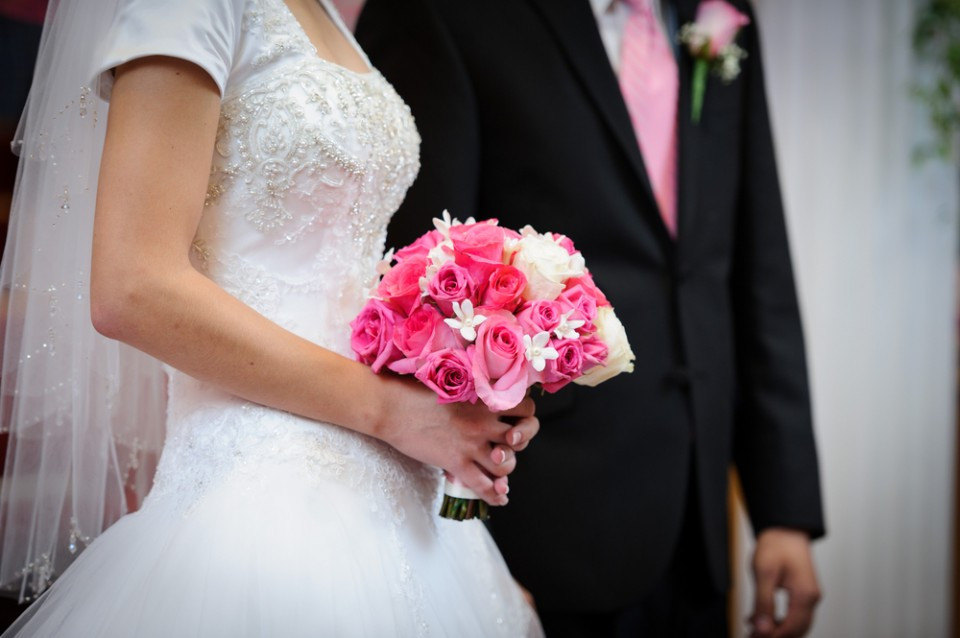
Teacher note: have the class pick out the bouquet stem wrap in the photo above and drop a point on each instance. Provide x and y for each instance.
(460, 503)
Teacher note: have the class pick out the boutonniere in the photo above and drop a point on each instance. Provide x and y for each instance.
(709, 39)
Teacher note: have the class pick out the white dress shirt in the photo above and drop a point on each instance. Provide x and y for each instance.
(611, 19)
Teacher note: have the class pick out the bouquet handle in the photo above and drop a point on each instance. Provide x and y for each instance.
(460, 503)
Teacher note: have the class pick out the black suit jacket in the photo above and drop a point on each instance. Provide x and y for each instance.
(522, 119)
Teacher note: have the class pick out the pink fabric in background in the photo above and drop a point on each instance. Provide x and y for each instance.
(349, 10)
(33, 11)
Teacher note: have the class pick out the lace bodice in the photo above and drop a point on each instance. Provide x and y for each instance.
(311, 159)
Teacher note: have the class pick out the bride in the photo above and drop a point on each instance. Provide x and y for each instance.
(251, 160)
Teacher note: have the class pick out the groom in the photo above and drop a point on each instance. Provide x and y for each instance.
(576, 116)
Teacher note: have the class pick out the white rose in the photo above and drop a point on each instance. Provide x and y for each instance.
(619, 355)
(546, 264)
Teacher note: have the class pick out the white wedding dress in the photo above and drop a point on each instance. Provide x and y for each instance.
(261, 523)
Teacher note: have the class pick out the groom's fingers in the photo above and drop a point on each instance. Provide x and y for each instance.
(799, 616)
(767, 577)
(800, 582)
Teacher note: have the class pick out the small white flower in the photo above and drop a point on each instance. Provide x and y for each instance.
(694, 37)
(443, 224)
(537, 351)
(428, 276)
(446, 222)
(567, 328)
(730, 57)
(466, 322)
(383, 266)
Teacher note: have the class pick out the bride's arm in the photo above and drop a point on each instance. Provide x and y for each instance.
(156, 162)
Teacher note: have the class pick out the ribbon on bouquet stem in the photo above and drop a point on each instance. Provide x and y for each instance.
(460, 503)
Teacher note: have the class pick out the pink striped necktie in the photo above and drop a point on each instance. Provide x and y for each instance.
(649, 82)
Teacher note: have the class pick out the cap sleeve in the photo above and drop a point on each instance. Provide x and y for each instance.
(204, 32)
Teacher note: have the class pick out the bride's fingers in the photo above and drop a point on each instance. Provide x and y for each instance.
(519, 436)
(501, 486)
(500, 461)
(477, 480)
(500, 454)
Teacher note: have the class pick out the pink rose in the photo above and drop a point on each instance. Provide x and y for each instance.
(448, 373)
(418, 335)
(401, 286)
(499, 362)
(539, 316)
(372, 335)
(420, 247)
(451, 283)
(583, 304)
(566, 367)
(595, 352)
(719, 22)
(586, 281)
(479, 247)
(504, 287)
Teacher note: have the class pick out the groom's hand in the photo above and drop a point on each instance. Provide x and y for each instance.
(782, 560)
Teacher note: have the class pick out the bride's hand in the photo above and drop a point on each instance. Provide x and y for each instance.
(468, 441)
(524, 426)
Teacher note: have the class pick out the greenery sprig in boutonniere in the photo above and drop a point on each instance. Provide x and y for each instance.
(710, 39)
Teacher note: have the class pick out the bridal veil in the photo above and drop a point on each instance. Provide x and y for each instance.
(83, 415)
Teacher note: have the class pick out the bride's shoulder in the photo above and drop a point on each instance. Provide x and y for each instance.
(204, 32)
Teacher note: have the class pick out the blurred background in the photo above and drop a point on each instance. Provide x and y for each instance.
(871, 193)
(865, 96)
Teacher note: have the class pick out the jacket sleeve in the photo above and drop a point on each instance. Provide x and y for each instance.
(409, 44)
(774, 446)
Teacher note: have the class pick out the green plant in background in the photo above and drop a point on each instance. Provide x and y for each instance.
(936, 40)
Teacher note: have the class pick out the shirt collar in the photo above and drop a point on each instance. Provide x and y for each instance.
(601, 7)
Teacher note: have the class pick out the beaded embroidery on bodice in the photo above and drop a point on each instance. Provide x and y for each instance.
(311, 159)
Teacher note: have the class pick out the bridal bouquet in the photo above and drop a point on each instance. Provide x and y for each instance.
(476, 311)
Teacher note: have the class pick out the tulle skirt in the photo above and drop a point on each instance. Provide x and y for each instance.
(265, 551)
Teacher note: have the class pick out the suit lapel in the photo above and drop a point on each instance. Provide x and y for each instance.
(575, 28)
